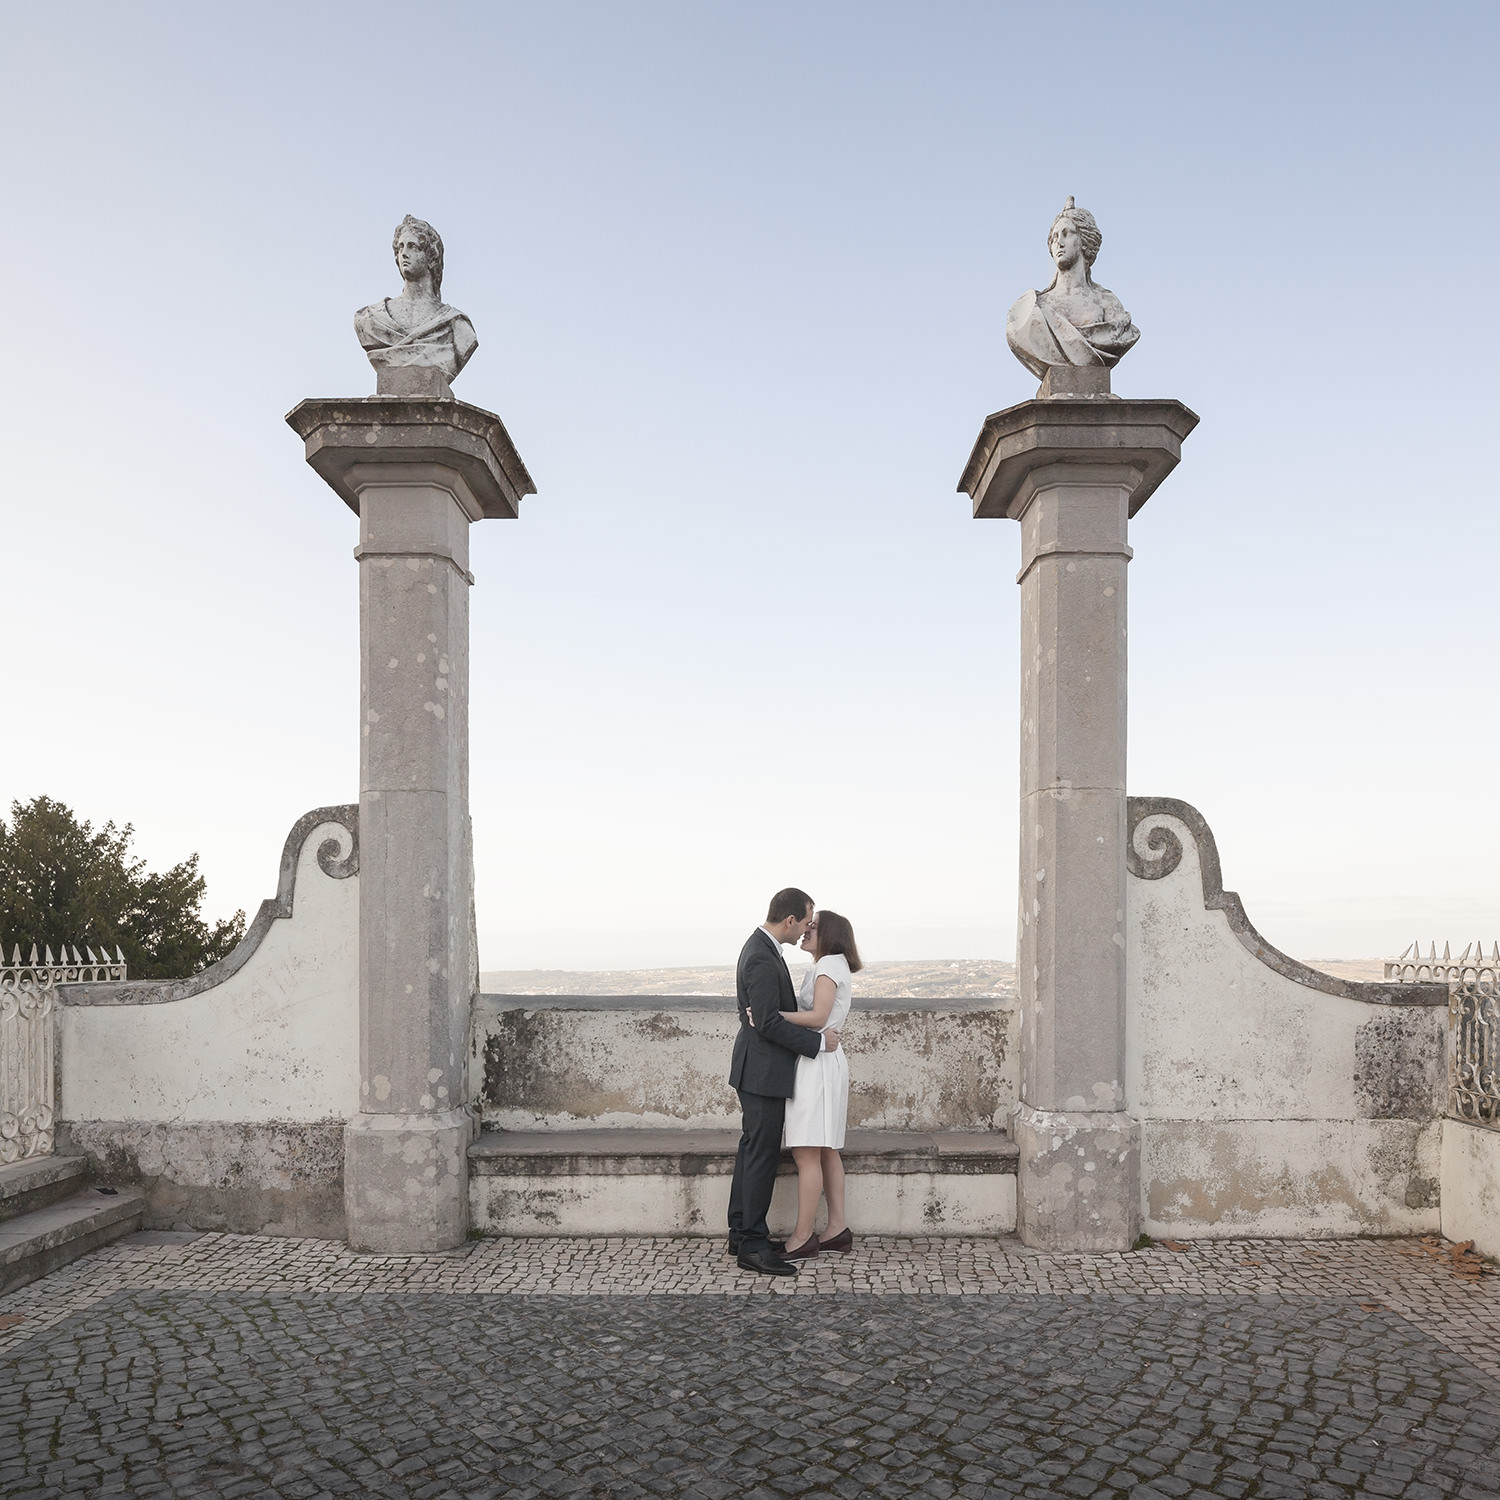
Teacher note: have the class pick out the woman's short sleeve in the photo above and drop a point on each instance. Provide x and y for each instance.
(835, 966)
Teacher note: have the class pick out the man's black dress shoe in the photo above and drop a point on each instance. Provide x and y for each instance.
(777, 1246)
(767, 1262)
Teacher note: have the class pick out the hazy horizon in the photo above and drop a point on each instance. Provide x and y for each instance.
(930, 978)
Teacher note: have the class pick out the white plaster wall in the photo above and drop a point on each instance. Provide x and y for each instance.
(277, 1041)
(1268, 1107)
(1471, 1185)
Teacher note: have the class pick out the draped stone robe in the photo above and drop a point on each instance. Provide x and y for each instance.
(1040, 336)
(443, 341)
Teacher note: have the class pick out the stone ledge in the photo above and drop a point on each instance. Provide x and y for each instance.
(710, 1153)
(341, 433)
(1143, 434)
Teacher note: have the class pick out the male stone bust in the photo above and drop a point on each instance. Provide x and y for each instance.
(1074, 322)
(416, 342)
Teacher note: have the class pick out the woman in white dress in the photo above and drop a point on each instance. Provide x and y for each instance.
(816, 1114)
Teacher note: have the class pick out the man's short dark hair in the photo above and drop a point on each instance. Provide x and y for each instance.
(788, 903)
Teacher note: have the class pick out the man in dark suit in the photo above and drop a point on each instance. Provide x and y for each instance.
(764, 1074)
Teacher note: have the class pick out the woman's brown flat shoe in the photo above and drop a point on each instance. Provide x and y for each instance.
(843, 1242)
(802, 1252)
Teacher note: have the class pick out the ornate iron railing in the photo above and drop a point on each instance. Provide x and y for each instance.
(1474, 1046)
(28, 1041)
(1473, 982)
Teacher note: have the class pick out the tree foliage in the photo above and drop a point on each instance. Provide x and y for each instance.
(63, 882)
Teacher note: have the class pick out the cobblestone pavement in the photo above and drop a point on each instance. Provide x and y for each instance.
(245, 1366)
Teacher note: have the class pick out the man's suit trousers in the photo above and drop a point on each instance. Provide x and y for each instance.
(755, 1164)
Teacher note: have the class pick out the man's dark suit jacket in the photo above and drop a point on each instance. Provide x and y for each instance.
(765, 1054)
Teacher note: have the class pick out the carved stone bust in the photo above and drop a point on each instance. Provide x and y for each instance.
(416, 342)
(1074, 322)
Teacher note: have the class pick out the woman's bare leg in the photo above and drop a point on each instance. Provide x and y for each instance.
(832, 1165)
(809, 1190)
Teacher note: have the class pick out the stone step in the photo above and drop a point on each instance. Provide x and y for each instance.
(630, 1182)
(42, 1239)
(39, 1180)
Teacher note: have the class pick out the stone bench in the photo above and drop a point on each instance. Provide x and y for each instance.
(676, 1181)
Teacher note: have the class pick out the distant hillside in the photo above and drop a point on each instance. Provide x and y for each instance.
(919, 980)
(1348, 968)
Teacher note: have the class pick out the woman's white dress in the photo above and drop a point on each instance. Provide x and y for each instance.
(816, 1113)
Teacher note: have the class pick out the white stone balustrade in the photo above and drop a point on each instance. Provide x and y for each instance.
(28, 1042)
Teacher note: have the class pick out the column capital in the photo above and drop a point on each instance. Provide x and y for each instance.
(349, 439)
(1093, 432)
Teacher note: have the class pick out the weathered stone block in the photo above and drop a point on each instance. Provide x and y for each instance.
(406, 1181)
(1079, 1175)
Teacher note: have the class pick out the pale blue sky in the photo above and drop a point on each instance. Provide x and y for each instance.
(740, 276)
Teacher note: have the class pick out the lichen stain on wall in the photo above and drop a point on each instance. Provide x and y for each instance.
(533, 1066)
(244, 1177)
(1400, 1065)
(1404, 1159)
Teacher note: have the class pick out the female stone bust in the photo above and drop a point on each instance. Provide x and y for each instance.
(1074, 321)
(416, 342)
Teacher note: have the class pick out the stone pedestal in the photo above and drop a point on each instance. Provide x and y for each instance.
(418, 472)
(1072, 467)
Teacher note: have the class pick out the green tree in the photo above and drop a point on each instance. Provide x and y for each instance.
(62, 882)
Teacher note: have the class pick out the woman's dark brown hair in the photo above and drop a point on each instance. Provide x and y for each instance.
(835, 935)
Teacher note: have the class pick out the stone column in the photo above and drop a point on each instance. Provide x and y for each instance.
(1071, 468)
(418, 472)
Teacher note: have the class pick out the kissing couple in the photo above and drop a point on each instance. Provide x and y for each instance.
(793, 1081)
